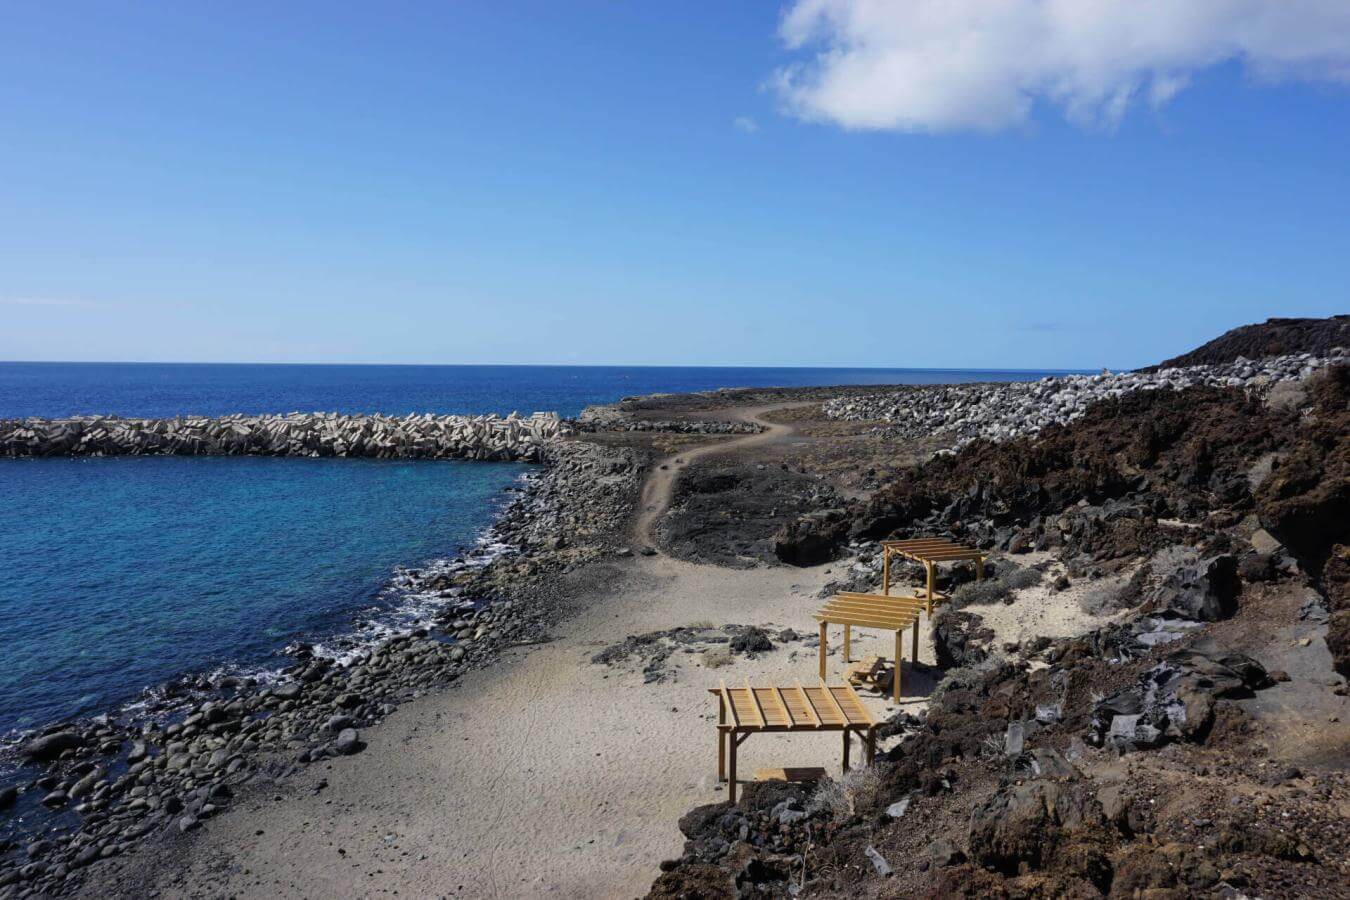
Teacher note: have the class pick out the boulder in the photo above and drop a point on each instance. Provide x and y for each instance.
(1175, 699)
(811, 540)
(50, 746)
(348, 742)
(1204, 591)
(1025, 823)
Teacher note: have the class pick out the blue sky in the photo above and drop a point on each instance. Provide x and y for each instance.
(615, 183)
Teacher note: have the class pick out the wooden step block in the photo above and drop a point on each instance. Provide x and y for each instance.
(794, 774)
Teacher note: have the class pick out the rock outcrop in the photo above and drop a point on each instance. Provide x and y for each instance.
(1273, 337)
(1003, 411)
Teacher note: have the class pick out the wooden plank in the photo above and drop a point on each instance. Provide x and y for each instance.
(892, 602)
(897, 619)
(880, 598)
(810, 707)
(885, 604)
(901, 616)
(946, 555)
(889, 623)
(782, 704)
(843, 717)
(754, 704)
(867, 717)
(829, 717)
(735, 719)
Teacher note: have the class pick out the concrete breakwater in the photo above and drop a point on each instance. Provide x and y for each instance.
(515, 437)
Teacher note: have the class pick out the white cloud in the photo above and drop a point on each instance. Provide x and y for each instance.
(983, 65)
(746, 124)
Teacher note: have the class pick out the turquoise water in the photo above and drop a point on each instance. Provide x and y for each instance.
(121, 573)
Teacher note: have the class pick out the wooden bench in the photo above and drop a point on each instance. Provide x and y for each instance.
(743, 711)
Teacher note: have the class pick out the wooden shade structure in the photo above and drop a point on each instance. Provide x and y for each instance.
(743, 711)
(928, 552)
(893, 614)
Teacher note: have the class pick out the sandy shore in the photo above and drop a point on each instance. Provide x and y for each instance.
(547, 776)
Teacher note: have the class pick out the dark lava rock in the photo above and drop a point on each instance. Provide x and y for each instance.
(1024, 824)
(1336, 583)
(733, 514)
(1257, 567)
(8, 796)
(1175, 699)
(50, 746)
(960, 639)
(811, 540)
(752, 640)
(1205, 591)
(943, 853)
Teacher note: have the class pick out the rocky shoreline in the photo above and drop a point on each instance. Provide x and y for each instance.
(99, 788)
(513, 438)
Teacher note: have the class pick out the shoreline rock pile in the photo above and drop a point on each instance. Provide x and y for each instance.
(427, 436)
(1002, 411)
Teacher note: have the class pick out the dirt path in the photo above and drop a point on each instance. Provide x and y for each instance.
(657, 490)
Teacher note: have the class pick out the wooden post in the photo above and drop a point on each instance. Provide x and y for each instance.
(721, 738)
(848, 636)
(731, 781)
(914, 650)
(847, 742)
(979, 568)
(886, 571)
(928, 603)
(895, 682)
(871, 744)
(824, 631)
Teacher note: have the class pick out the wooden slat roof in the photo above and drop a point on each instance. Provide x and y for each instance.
(871, 611)
(932, 549)
(819, 707)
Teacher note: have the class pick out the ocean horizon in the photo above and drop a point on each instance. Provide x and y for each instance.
(164, 390)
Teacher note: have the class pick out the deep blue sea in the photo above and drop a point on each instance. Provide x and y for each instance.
(118, 574)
